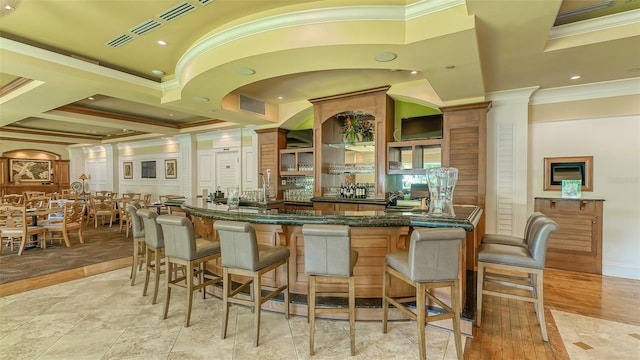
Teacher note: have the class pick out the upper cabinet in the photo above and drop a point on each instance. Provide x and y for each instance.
(345, 156)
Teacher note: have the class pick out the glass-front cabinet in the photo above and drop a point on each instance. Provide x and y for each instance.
(351, 132)
(296, 174)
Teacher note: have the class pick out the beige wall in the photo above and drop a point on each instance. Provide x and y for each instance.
(614, 143)
(61, 150)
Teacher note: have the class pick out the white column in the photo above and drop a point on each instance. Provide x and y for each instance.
(187, 165)
(507, 150)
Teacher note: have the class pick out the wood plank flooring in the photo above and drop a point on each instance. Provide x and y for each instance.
(509, 327)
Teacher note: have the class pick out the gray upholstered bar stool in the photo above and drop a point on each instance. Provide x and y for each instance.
(510, 262)
(513, 240)
(139, 248)
(182, 248)
(328, 257)
(242, 255)
(433, 261)
(154, 253)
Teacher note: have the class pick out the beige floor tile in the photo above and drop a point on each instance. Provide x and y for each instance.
(103, 317)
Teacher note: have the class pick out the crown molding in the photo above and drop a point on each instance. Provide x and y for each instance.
(602, 23)
(587, 91)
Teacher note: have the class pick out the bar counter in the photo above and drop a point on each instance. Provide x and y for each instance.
(466, 216)
(374, 234)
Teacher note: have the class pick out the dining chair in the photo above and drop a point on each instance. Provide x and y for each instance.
(124, 219)
(13, 199)
(14, 224)
(101, 207)
(31, 194)
(73, 214)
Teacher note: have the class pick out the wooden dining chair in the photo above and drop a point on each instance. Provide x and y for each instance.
(12, 199)
(100, 206)
(59, 229)
(14, 225)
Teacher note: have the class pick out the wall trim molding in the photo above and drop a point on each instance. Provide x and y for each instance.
(587, 91)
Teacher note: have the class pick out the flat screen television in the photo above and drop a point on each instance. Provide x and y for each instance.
(421, 127)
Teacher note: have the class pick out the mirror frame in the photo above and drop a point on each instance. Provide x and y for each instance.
(551, 162)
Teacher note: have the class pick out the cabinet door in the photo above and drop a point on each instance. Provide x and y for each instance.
(577, 244)
(61, 175)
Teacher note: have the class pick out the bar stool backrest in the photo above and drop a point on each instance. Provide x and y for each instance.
(434, 254)
(180, 239)
(537, 245)
(238, 244)
(327, 250)
(153, 234)
(136, 222)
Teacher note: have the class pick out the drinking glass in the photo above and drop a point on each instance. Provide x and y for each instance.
(233, 197)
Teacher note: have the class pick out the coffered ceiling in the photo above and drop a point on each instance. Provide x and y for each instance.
(89, 72)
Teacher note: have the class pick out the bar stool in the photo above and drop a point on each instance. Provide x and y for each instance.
(508, 260)
(138, 239)
(154, 244)
(242, 255)
(183, 249)
(433, 261)
(328, 257)
(513, 240)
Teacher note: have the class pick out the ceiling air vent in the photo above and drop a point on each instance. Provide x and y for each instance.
(145, 27)
(119, 41)
(205, 2)
(177, 11)
(252, 105)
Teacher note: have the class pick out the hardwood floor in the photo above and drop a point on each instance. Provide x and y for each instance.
(509, 328)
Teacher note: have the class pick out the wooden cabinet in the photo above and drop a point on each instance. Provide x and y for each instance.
(296, 162)
(413, 157)
(328, 138)
(577, 244)
(270, 142)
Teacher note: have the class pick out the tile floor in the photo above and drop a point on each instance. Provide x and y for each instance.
(587, 338)
(103, 317)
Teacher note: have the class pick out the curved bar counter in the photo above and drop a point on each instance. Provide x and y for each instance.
(374, 234)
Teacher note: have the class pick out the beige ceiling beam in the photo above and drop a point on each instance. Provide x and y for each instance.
(42, 137)
(110, 120)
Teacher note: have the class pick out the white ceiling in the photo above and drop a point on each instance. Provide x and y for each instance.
(53, 57)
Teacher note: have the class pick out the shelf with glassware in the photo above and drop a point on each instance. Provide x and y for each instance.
(350, 173)
(413, 157)
(297, 162)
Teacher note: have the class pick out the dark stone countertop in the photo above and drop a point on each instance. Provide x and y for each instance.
(467, 216)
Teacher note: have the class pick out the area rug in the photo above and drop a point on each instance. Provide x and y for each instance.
(102, 244)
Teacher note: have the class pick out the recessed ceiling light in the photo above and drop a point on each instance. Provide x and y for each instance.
(245, 71)
(575, 77)
(91, 98)
(386, 57)
(172, 115)
(414, 72)
(162, 42)
(201, 99)
(449, 67)
(280, 98)
(157, 72)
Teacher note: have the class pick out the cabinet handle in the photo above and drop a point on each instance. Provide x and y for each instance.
(552, 204)
(583, 204)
